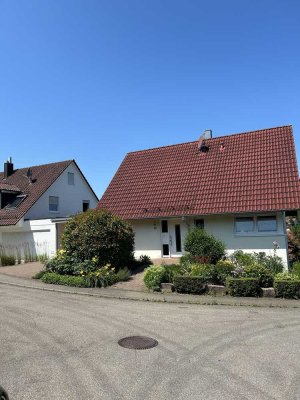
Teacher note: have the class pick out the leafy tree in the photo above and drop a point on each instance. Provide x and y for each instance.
(98, 236)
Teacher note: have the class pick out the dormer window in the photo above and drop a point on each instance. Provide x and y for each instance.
(71, 180)
(16, 201)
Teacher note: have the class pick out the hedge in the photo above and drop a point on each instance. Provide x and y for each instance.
(287, 289)
(189, 284)
(66, 280)
(243, 287)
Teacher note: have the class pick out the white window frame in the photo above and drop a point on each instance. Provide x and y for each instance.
(71, 174)
(57, 210)
(255, 231)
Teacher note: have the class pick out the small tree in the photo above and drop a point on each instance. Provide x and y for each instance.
(203, 246)
(98, 235)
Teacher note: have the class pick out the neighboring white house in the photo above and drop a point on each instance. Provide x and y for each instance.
(239, 187)
(36, 202)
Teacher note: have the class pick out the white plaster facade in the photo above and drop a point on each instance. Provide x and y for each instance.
(37, 232)
(149, 238)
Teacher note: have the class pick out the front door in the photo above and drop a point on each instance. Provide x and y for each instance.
(175, 239)
(171, 238)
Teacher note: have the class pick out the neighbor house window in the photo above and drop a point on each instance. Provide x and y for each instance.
(85, 205)
(267, 223)
(244, 224)
(71, 178)
(53, 203)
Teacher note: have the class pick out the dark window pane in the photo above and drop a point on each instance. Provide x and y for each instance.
(85, 206)
(164, 226)
(165, 249)
(199, 223)
(178, 238)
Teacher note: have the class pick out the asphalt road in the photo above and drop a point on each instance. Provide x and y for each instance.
(62, 346)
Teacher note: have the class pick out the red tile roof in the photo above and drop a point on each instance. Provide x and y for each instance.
(42, 178)
(256, 171)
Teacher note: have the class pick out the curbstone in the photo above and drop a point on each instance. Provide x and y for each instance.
(216, 290)
(268, 292)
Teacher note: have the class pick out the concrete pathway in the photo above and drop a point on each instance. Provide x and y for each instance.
(27, 270)
(135, 283)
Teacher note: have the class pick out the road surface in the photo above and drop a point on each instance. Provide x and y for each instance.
(64, 346)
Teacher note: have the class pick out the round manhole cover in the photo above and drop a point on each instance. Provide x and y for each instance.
(138, 342)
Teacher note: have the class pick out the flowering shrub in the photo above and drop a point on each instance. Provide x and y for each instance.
(222, 269)
(102, 277)
(264, 276)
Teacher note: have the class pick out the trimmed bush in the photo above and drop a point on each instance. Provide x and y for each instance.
(153, 277)
(66, 280)
(264, 276)
(243, 287)
(204, 247)
(189, 284)
(287, 289)
(101, 235)
(223, 269)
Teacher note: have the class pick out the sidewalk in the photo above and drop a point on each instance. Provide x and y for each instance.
(114, 293)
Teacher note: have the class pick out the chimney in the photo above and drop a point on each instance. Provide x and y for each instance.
(202, 146)
(8, 168)
(207, 134)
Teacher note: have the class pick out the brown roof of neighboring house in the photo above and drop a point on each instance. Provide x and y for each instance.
(43, 176)
(246, 172)
(9, 188)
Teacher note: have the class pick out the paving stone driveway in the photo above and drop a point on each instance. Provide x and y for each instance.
(27, 270)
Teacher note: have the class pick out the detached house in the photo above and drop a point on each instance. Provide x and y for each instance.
(36, 202)
(238, 187)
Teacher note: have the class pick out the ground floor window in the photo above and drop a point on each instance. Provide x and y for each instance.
(256, 224)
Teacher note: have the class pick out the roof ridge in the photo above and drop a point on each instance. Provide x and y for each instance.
(217, 137)
(43, 165)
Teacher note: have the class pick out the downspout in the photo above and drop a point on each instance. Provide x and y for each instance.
(286, 240)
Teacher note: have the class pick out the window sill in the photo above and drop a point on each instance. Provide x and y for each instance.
(258, 234)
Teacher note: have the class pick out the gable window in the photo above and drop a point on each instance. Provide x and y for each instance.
(244, 224)
(267, 223)
(53, 203)
(71, 180)
(199, 223)
(85, 205)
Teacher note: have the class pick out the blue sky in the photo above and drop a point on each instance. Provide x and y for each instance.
(93, 80)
